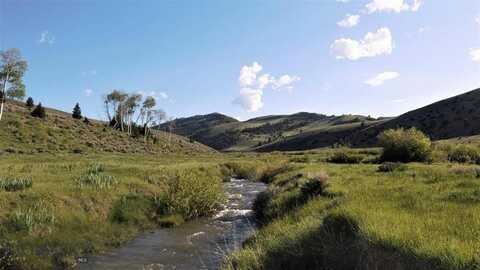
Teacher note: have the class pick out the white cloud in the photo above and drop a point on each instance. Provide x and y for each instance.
(373, 44)
(477, 19)
(392, 6)
(154, 94)
(349, 21)
(381, 78)
(343, 1)
(475, 54)
(285, 81)
(252, 84)
(248, 74)
(46, 38)
(88, 92)
(398, 100)
(250, 99)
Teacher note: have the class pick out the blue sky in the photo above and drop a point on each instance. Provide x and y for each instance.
(247, 58)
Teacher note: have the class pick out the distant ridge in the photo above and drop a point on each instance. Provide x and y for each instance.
(453, 117)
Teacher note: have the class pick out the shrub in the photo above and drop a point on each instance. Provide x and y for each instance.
(86, 121)
(392, 166)
(405, 145)
(315, 185)
(15, 184)
(464, 154)
(39, 111)
(343, 157)
(29, 103)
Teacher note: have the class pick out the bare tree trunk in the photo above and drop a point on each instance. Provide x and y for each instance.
(4, 94)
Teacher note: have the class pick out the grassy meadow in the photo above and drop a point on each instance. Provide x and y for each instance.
(324, 209)
(414, 216)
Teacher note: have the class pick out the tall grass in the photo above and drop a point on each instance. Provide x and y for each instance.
(15, 183)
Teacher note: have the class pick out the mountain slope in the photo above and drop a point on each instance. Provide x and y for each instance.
(453, 117)
(457, 116)
(59, 132)
(227, 134)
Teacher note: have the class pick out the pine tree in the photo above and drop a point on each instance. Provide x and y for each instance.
(39, 111)
(77, 112)
(29, 103)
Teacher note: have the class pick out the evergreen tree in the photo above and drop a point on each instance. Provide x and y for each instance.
(29, 103)
(39, 111)
(77, 112)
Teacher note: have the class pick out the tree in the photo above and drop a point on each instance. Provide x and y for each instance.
(77, 112)
(86, 121)
(39, 111)
(29, 103)
(11, 72)
(17, 91)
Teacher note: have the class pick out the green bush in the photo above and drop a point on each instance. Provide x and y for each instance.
(405, 145)
(343, 157)
(15, 184)
(464, 154)
(39, 111)
(392, 166)
(315, 185)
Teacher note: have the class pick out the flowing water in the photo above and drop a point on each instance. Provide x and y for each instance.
(199, 244)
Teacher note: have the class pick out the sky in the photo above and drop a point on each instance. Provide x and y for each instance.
(247, 58)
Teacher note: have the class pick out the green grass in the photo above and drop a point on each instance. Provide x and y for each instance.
(81, 205)
(314, 215)
(422, 217)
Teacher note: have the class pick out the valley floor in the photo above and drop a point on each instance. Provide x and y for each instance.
(422, 216)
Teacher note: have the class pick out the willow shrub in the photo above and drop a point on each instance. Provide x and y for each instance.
(405, 145)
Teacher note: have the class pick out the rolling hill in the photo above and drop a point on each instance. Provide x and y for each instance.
(453, 117)
(59, 132)
(227, 134)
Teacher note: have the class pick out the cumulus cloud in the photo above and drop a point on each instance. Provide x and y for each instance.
(250, 99)
(46, 38)
(349, 21)
(252, 83)
(477, 19)
(379, 79)
(392, 6)
(285, 81)
(475, 54)
(88, 92)
(373, 44)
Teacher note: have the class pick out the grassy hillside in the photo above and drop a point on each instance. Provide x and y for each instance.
(268, 132)
(457, 116)
(59, 132)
